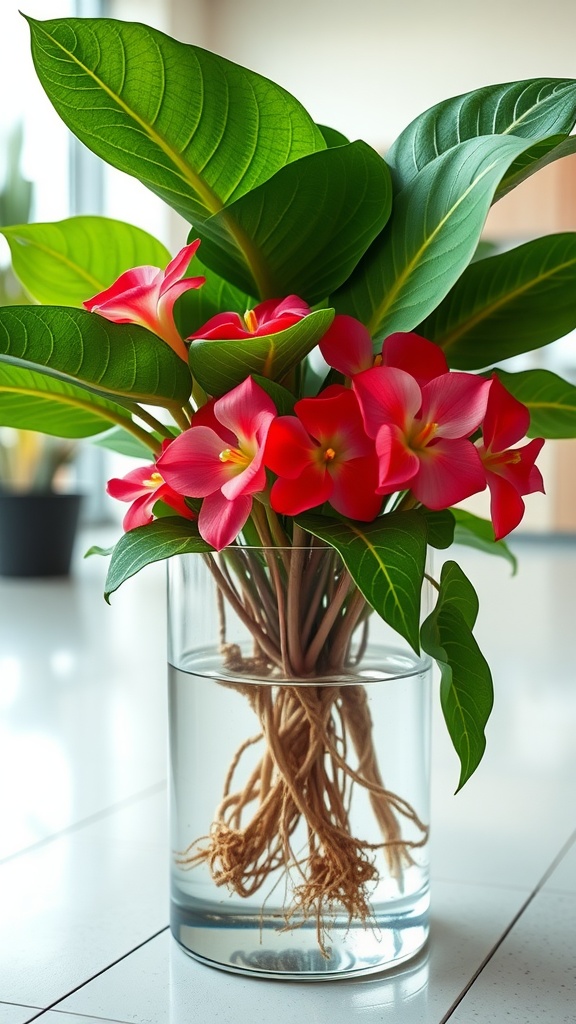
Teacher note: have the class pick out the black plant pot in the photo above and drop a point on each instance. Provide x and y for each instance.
(37, 533)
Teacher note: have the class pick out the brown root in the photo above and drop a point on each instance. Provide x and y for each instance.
(303, 776)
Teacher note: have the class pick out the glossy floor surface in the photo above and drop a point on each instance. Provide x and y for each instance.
(83, 839)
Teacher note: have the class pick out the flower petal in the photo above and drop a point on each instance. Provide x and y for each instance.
(222, 327)
(334, 418)
(386, 395)
(289, 449)
(132, 298)
(456, 402)
(135, 483)
(140, 511)
(416, 355)
(220, 520)
(245, 409)
(450, 470)
(354, 489)
(178, 265)
(398, 465)
(312, 487)
(506, 505)
(506, 420)
(191, 464)
(347, 345)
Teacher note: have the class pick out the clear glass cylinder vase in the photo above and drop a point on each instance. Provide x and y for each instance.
(299, 752)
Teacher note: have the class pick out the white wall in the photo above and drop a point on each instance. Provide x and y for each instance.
(368, 67)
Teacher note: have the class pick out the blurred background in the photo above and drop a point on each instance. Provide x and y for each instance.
(366, 68)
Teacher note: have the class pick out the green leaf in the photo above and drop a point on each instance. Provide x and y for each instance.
(475, 532)
(221, 365)
(160, 539)
(508, 304)
(308, 225)
(34, 401)
(529, 109)
(332, 136)
(124, 443)
(440, 526)
(551, 401)
(386, 560)
(81, 348)
(196, 129)
(540, 155)
(283, 399)
(67, 262)
(431, 237)
(466, 691)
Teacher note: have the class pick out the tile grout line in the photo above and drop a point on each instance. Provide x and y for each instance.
(93, 977)
(158, 787)
(538, 888)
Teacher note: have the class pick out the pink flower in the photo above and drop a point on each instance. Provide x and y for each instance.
(347, 347)
(269, 317)
(510, 472)
(422, 433)
(323, 454)
(219, 458)
(146, 296)
(143, 487)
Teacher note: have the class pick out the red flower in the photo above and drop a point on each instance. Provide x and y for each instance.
(323, 454)
(347, 347)
(269, 317)
(219, 458)
(422, 433)
(143, 487)
(510, 472)
(146, 296)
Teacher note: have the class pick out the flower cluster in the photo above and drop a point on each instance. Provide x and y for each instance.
(400, 429)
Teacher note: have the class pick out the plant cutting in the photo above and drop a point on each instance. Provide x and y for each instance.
(314, 385)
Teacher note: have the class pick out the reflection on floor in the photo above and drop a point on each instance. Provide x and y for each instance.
(83, 845)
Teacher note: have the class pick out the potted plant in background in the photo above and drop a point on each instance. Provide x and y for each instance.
(38, 520)
(311, 384)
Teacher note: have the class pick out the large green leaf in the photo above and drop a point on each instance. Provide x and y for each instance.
(120, 441)
(475, 532)
(466, 691)
(35, 401)
(508, 304)
(551, 401)
(439, 525)
(529, 109)
(310, 224)
(196, 129)
(542, 153)
(386, 560)
(221, 365)
(160, 539)
(431, 237)
(81, 348)
(69, 261)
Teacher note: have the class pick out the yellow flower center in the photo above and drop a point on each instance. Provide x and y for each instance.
(422, 437)
(329, 454)
(154, 480)
(235, 456)
(251, 321)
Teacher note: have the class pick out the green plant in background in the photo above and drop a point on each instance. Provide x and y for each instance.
(15, 205)
(284, 207)
(28, 461)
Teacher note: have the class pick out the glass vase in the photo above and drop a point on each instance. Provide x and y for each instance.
(299, 754)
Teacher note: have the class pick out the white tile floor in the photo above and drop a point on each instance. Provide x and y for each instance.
(83, 845)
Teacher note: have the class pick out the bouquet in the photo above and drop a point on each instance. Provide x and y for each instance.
(317, 368)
